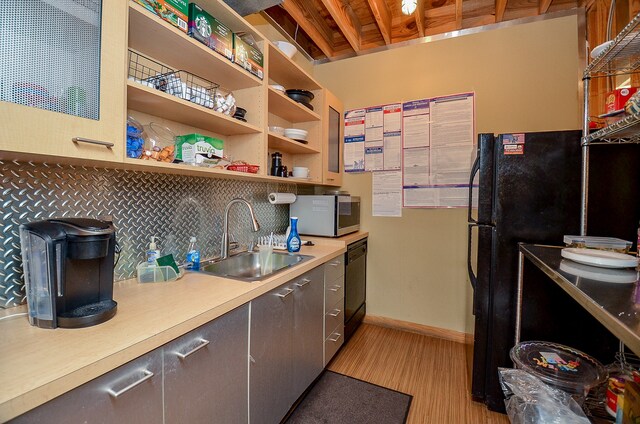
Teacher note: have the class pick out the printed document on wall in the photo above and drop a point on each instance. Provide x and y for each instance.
(354, 136)
(387, 193)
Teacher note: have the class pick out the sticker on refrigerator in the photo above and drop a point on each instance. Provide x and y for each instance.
(513, 144)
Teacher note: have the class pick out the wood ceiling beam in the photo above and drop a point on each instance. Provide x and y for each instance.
(419, 13)
(458, 14)
(501, 6)
(382, 15)
(346, 20)
(309, 23)
(544, 6)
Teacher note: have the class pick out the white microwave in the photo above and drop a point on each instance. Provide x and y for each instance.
(326, 215)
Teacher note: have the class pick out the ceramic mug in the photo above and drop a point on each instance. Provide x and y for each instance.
(300, 172)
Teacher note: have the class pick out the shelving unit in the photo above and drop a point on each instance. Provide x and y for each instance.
(622, 57)
(284, 107)
(289, 145)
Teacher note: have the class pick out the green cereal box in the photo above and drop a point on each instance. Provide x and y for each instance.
(190, 146)
(248, 56)
(173, 11)
(210, 31)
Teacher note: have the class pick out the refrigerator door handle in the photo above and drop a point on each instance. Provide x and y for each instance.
(474, 170)
(472, 277)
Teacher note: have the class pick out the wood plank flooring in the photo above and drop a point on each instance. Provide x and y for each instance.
(432, 370)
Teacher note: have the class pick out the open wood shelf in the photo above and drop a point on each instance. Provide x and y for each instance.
(284, 107)
(289, 145)
(158, 103)
(286, 72)
(153, 37)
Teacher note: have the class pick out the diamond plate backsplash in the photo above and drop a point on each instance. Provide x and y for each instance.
(141, 205)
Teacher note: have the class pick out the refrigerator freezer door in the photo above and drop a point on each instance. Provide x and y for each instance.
(483, 169)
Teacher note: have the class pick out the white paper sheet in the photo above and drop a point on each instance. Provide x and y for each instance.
(392, 150)
(354, 135)
(416, 167)
(387, 193)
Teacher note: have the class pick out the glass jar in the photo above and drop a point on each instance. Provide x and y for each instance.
(135, 138)
(160, 143)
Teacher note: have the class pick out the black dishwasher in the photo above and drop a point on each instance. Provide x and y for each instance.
(355, 286)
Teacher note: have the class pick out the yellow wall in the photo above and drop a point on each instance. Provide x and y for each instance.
(525, 79)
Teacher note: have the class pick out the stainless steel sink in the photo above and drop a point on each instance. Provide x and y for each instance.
(246, 266)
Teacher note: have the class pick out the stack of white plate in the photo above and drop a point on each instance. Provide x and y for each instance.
(278, 87)
(296, 134)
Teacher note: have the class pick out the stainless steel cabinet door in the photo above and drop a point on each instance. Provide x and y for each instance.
(271, 370)
(308, 336)
(205, 378)
(131, 393)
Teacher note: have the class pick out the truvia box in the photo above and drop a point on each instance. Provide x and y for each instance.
(173, 11)
(189, 146)
(248, 56)
(210, 31)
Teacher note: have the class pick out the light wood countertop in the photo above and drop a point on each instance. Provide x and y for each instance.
(40, 364)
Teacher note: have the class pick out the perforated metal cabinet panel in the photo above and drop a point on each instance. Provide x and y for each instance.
(141, 204)
(50, 53)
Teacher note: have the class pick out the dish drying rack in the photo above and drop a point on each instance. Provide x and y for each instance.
(279, 241)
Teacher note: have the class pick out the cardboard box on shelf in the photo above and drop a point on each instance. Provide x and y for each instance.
(210, 31)
(615, 101)
(189, 146)
(173, 11)
(248, 56)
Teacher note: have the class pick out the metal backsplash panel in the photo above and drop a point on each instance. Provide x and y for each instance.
(141, 205)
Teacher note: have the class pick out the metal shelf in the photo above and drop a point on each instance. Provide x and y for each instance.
(622, 56)
(626, 130)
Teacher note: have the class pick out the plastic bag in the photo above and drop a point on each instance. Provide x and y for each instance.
(530, 401)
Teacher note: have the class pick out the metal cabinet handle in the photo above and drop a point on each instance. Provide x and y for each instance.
(203, 343)
(334, 313)
(335, 263)
(282, 296)
(106, 144)
(303, 282)
(147, 375)
(335, 288)
(338, 335)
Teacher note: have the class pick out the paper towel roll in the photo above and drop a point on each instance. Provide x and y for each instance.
(281, 198)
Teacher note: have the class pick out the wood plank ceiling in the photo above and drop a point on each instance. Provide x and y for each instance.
(333, 29)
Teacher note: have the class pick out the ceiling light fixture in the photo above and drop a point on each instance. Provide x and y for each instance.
(409, 6)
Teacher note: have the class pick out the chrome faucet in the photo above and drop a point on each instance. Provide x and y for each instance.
(224, 248)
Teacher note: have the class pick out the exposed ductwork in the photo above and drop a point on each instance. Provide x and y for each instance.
(247, 7)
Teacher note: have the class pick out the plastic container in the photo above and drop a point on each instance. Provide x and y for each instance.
(155, 274)
(135, 138)
(600, 243)
(559, 366)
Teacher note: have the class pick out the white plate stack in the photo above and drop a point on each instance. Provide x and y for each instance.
(296, 134)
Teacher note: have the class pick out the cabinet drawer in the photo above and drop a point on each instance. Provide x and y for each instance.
(334, 269)
(333, 292)
(334, 318)
(333, 343)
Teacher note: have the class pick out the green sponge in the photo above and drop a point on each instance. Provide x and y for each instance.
(167, 260)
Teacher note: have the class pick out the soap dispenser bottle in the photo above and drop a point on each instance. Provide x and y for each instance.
(293, 240)
(153, 253)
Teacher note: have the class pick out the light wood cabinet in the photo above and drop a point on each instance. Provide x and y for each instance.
(42, 123)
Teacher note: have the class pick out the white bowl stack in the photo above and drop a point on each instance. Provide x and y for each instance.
(296, 134)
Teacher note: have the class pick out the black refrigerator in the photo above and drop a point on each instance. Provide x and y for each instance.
(528, 190)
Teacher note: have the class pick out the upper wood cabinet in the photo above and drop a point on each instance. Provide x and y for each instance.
(333, 134)
(63, 91)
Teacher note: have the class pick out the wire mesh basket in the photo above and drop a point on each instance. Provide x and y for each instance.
(182, 84)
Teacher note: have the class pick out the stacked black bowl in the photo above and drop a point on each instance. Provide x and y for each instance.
(303, 97)
(239, 115)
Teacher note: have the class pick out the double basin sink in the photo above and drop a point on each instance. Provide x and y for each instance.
(245, 266)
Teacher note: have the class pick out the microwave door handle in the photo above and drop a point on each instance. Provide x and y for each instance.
(474, 170)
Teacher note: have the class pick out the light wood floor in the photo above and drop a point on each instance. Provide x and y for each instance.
(432, 370)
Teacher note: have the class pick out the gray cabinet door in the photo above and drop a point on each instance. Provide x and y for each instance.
(271, 370)
(131, 393)
(205, 378)
(308, 335)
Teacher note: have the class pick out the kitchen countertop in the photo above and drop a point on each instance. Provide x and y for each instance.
(612, 304)
(40, 364)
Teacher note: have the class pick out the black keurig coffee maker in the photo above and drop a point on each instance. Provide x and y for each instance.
(68, 271)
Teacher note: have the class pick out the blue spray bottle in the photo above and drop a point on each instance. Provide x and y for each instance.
(293, 241)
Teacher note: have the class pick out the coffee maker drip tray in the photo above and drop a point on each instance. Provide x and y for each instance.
(88, 315)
